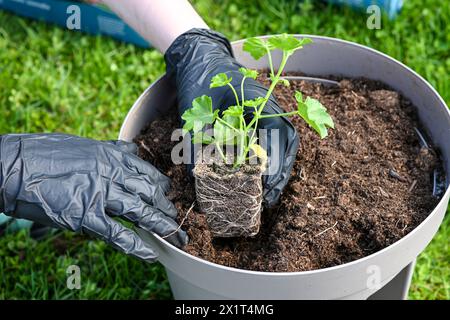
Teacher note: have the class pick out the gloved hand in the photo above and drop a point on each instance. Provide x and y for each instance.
(198, 55)
(81, 185)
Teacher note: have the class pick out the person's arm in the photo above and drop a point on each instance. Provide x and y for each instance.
(194, 54)
(159, 22)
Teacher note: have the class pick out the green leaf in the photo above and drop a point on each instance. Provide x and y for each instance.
(318, 112)
(257, 47)
(233, 111)
(288, 42)
(232, 116)
(220, 80)
(200, 114)
(254, 102)
(201, 137)
(315, 114)
(249, 73)
(224, 135)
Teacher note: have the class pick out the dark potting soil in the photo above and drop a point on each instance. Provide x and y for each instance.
(365, 186)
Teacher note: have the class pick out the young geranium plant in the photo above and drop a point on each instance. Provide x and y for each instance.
(230, 127)
(232, 199)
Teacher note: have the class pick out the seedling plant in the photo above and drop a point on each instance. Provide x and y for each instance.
(232, 199)
(230, 126)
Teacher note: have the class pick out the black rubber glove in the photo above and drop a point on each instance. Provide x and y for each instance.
(81, 185)
(198, 55)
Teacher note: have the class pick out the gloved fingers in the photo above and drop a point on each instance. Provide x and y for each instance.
(144, 168)
(121, 238)
(132, 208)
(275, 183)
(153, 220)
(156, 221)
(138, 189)
(128, 147)
(282, 145)
(162, 203)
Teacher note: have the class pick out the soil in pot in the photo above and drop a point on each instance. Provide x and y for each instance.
(230, 199)
(365, 186)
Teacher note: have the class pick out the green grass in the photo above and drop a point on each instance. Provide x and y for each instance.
(55, 80)
(431, 278)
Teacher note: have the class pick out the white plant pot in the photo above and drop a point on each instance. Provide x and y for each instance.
(193, 278)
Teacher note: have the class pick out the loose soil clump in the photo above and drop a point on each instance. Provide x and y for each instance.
(365, 186)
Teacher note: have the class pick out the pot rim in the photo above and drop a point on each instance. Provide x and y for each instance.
(446, 194)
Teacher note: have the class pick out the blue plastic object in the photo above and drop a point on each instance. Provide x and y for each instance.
(3, 219)
(14, 224)
(94, 19)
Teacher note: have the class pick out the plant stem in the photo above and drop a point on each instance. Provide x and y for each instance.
(242, 90)
(241, 144)
(221, 152)
(254, 122)
(269, 56)
(235, 94)
(242, 123)
(285, 114)
(269, 92)
(227, 124)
